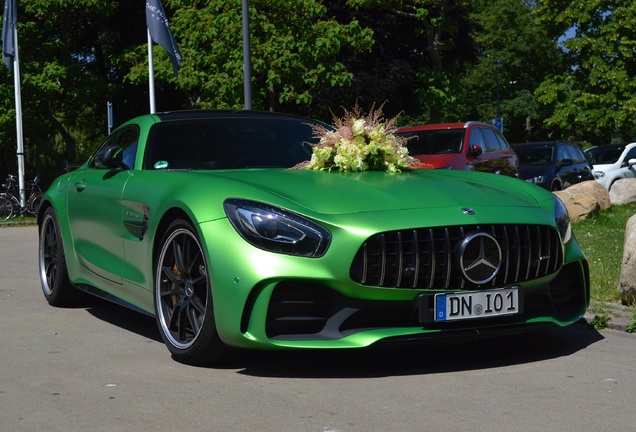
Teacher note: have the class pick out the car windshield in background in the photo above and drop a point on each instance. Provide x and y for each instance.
(540, 154)
(604, 154)
(228, 143)
(435, 141)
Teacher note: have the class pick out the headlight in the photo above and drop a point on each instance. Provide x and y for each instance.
(599, 174)
(537, 180)
(276, 230)
(562, 219)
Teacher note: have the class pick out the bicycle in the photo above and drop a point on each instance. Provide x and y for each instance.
(10, 202)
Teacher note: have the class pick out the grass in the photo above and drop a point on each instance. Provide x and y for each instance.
(601, 238)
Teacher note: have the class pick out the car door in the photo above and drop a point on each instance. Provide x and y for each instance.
(564, 166)
(95, 207)
(579, 170)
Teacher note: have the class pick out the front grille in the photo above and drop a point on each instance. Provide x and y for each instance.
(427, 258)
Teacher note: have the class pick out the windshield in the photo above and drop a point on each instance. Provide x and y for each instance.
(442, 141)
(604, 154)
(229, 143)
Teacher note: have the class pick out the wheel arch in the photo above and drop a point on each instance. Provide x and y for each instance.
(43, 207)
(162, 227)
(556, 184)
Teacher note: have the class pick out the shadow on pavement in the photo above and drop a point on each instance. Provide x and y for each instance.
(429, 358)
(424, 359)
(127, 319)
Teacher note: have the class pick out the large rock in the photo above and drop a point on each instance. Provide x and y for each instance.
(584, 199)
(627, 282)
(623, 191)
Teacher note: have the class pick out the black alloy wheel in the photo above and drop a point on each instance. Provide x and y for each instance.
(183, 298)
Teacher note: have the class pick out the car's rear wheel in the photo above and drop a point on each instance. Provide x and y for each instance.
(56, 285)
(183, 298)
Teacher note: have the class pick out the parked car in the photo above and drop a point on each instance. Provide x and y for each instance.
(473, 146)
(197, 219)
(612, 162)
(553, 165)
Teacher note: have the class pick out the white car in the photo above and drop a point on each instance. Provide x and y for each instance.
(612, 162)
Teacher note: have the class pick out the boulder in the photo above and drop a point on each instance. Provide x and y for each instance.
(584, 199)
(627, 282)
(623, 191)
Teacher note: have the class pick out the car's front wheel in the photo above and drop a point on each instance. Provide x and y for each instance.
(183, 298)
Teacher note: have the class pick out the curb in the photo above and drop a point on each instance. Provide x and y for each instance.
(618, 319)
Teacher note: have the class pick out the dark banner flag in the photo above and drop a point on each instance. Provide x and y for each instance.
(8, 35)
(159, 29)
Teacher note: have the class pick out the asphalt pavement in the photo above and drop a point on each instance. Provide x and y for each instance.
(104, 368)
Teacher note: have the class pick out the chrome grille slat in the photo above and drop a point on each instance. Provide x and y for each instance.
(528, 251)
(382, 264)
(432, 260)
(449, 256)
(425, 258)
(416, 251)
(400, 260)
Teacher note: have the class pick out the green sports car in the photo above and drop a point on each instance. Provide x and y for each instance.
(197, 219)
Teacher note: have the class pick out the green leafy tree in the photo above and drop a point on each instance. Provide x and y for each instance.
(68, 63)
(515, 62)
(444, 49)
(594, 97)
(295, 48)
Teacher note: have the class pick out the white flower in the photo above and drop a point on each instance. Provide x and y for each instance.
(358, 127)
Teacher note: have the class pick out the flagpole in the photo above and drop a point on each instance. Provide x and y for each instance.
(151, 74)
(18, 118)
(247, 62)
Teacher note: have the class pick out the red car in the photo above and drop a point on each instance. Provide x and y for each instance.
(464, 146)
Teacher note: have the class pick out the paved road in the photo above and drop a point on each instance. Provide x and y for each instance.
(104, 369)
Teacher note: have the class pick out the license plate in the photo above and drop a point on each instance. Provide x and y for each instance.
(476, 304)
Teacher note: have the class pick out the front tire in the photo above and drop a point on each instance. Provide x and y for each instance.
(183, 298)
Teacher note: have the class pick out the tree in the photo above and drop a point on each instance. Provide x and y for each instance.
(68, 60)
(516, 62)
(594, 96)
(290, 57)
(440, 27)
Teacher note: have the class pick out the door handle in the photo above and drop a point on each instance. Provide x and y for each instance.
(80, 186)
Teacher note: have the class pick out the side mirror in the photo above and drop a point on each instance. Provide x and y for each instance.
(475, 150)
(566, 162)
(110, 157)
(631, 162)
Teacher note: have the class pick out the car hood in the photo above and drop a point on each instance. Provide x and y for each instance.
(607, 167)
(325, 192)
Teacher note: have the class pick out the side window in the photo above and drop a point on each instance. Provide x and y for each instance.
(503, 144)
(575, 154)
(491, 141)
(631, 154)
(476, 137)
(123, 142)
(562, 153)
(129, 140)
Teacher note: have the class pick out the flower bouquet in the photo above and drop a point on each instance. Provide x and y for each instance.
(359, 142)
